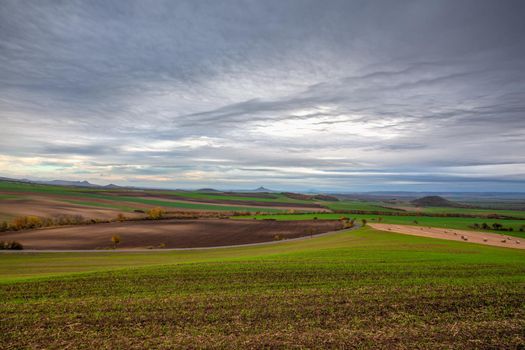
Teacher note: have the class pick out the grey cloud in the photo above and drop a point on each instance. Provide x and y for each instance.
(290, 89)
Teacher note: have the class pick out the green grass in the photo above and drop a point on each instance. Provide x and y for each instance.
(445, 222)
(358, 205)
(7, 196)
(101, 205)
(277, 197)
(359, 289)
(470, 211)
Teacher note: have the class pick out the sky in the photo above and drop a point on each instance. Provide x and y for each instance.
(288, 94)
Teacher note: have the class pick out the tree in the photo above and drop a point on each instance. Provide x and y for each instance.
(364, 222)
(116, 240)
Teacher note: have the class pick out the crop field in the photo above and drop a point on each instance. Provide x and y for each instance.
(473, 211)
(362, 288)
(445, 222)
(359, 288)
(18, 199)
(149, 234)
(360, 205)
(270, 197)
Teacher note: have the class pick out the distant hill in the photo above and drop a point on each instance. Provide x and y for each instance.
(262, 189)
(207, 190)
(112, 186)
(435, 201)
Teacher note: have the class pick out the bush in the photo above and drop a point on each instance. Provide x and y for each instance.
(115, 240)
(156, 213)
(348, 224)
(11, 245)
(26, 222)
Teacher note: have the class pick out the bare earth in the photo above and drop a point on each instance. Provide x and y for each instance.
(169, 233)
(487, 238)
(51, 207)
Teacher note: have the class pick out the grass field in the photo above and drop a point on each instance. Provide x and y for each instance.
(363, 288)
(445, 222)
(275, 197)
(471, 211)
(98, 204)
(358, 205)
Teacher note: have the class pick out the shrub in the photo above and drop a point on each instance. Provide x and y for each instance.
(3, 226)
(26, 222)
(156, 213)
(497, 226)
(364, 222)
(348, 224)
(11, 245)
(116, 240)
(121, 217)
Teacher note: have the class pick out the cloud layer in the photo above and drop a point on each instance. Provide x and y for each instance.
(336, 95)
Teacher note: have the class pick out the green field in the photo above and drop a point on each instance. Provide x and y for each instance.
(359, 205)
(445, 222)
(471, 211)
(101, 205)
(275, 197)
(363, 288)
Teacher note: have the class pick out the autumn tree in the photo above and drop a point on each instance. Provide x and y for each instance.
(115, 240)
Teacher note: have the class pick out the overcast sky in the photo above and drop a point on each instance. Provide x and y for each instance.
(298, 95)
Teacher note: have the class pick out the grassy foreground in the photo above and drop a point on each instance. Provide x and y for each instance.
(358, 289)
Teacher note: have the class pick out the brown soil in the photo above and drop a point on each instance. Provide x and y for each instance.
(171, 233)
(51, 207)
(487, 238)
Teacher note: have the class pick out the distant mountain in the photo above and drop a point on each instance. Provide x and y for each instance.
(262, 189)
(435, 201)
(112, 186)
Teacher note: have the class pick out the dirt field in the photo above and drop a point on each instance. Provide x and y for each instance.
(487, 238)
(170, 233)
(51, 207)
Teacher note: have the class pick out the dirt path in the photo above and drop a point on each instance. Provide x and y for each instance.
(487, 238)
